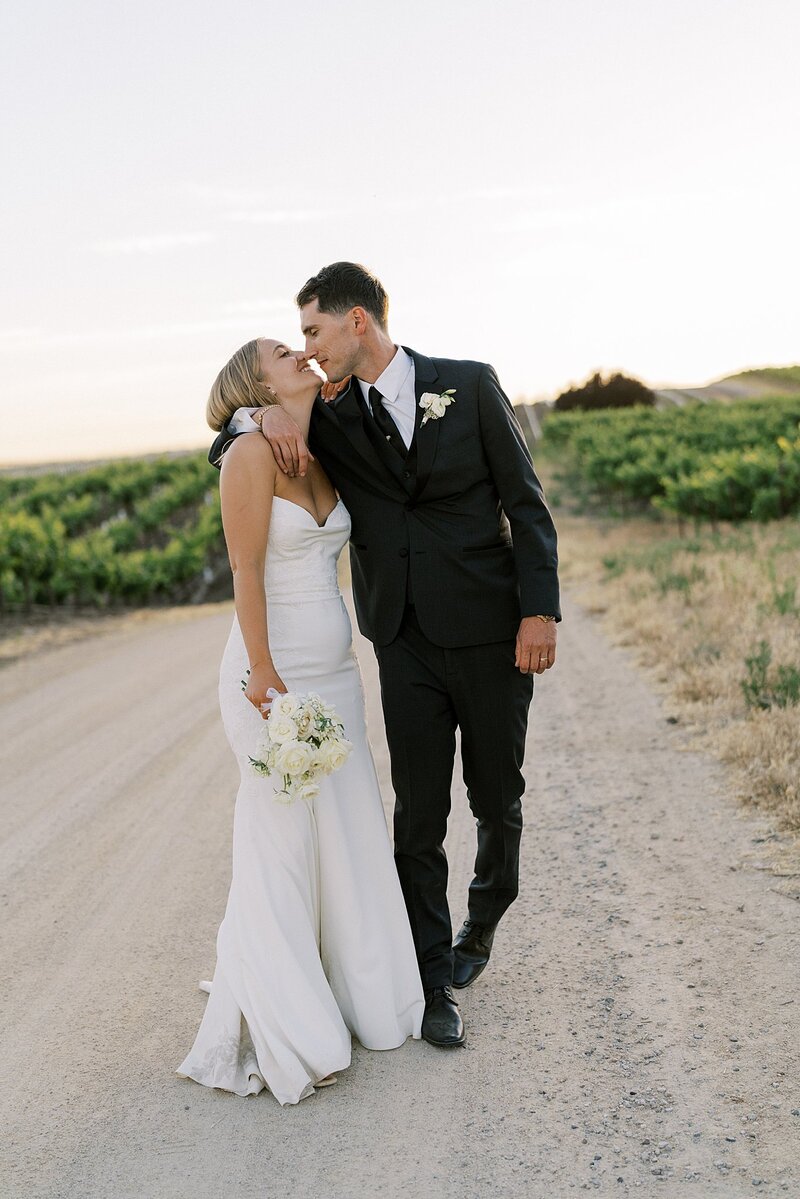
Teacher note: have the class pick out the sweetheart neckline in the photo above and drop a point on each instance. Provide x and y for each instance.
(310, 514)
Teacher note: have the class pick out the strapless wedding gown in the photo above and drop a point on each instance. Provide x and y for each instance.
(315, 944)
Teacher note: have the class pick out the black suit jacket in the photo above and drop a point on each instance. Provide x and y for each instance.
(461, 524)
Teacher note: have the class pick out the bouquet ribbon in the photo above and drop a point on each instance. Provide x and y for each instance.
(272, 694)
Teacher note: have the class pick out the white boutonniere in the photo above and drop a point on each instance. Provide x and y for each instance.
(434, 406)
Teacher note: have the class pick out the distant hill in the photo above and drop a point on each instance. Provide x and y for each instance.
(28, 470)
(747, 385)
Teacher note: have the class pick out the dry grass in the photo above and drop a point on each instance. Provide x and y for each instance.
(695, 608)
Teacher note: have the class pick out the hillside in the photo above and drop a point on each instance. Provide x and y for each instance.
(746, 385)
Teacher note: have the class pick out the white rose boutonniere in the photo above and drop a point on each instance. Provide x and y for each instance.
(435, 406)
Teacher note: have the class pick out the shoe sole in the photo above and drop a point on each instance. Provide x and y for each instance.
(445, 1044)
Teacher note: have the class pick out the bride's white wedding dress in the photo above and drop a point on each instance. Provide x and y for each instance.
(315, 944)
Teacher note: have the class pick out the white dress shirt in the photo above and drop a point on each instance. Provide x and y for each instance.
(242, 421)
(396, 385)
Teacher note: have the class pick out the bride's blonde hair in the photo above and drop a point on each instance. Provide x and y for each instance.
(238, 385)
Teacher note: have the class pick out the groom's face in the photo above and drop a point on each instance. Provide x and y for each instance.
(331, 340)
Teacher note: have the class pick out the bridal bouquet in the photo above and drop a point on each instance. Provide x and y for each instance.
(303, 740)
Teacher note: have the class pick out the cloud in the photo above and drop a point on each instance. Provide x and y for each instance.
(153, 243)
(41, 340)
(499, 194)
(282, 216)
(551, 218)
(223, 196)
(257, 307)
(491, 196)
(258, 206)
(251, 206)
(628, 211)
(14, 338)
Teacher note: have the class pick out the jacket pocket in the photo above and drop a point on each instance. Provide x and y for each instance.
(486, 549)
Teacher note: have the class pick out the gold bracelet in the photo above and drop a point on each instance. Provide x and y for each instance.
(546, 619)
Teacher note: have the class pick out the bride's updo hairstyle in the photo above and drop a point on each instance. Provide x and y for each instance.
(238, 385)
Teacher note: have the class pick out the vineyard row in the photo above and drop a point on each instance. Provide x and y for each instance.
(126, 533)
(710, 462)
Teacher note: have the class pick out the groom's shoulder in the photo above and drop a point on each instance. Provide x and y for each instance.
(467, 365)
(464, 367)
(454, 372)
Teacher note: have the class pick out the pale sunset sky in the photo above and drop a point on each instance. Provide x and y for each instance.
(553, 186)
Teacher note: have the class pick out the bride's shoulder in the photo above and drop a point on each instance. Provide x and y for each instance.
(249, 448)
(249, 453)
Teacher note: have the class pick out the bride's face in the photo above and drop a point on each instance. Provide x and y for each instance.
(286, 371)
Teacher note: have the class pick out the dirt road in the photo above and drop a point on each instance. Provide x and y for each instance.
(636, 1032)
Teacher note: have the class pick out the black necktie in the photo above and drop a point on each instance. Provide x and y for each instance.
(385, 423)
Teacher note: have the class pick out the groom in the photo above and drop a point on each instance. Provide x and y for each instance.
(453, 555)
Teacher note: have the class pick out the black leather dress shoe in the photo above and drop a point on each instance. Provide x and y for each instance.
(442, 1024)
(471, 951)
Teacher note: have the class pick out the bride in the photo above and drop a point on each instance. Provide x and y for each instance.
(315, 944)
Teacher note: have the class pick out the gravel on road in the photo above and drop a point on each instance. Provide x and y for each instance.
(636, 1032)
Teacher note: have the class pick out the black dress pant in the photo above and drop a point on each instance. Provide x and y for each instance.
(428, 691)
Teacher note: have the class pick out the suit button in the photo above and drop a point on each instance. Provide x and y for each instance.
(406, 474)
(404, 553)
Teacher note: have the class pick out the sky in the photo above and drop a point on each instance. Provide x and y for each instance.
(553, 186)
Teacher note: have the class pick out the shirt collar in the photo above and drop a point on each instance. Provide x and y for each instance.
(390, 383)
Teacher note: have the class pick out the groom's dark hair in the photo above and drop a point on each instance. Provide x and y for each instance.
(344, 285)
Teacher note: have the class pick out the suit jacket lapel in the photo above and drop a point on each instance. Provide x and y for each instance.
(426, 436)
(346, 410)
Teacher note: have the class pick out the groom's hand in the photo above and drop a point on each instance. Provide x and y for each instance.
(288, 444)
(536, 645)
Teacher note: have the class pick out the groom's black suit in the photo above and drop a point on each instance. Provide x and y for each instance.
(450, 547)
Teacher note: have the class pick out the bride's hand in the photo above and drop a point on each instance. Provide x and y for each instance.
(329, 391)
(258, 682)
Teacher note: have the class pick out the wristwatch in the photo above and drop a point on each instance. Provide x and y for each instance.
(546, 619)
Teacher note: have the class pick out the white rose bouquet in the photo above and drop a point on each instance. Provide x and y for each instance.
(303, 740)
